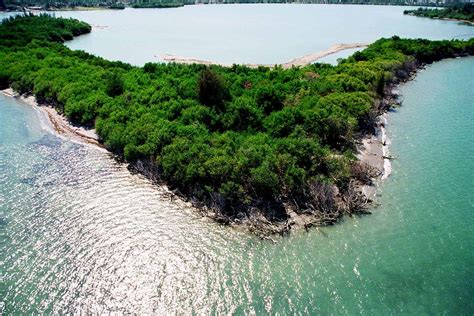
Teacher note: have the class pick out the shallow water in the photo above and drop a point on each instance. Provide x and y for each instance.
(79, 233)
(249, 33)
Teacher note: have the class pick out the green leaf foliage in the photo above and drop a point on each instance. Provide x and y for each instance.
(252, 137)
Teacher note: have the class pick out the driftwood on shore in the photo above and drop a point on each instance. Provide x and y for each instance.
(59, 123)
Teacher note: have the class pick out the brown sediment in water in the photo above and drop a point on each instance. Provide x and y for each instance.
(300, 61)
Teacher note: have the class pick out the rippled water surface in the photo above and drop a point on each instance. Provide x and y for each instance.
(249, 33)
(79, 233)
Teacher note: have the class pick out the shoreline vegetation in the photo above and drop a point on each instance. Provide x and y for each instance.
(270, 149)
(458, 12)
(301, 61)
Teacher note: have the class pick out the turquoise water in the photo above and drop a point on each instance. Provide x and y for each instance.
(79, 233)
(249, 33)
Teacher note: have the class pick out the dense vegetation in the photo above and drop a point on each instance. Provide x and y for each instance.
(458, 12)
(18, 31)
(158, 4)
(237, 139)
(18, 5)
(117, 6)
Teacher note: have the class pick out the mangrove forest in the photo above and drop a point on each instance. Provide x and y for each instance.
(242, 142)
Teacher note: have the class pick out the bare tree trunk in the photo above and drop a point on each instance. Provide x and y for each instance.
(355, 202)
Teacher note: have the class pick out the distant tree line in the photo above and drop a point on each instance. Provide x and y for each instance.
(457, 12)
(157, 4)
(120, 4)
(239, 140)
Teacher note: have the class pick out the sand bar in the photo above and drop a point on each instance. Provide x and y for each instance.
(300, 61)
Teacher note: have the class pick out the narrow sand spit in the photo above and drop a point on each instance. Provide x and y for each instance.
(58, 122)
(183, 60)
(456, 20)
(301, 61)
(310, 58)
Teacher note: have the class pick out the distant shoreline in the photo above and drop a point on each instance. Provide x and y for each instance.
(444, 19)
(460, 12)
(32, 8)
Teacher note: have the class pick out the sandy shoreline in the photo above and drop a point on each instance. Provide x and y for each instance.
(300, 61)
(58, 122)
(374, 151)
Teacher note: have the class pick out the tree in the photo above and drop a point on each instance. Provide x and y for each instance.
(212, 89)
(114, 85)
(269, 98)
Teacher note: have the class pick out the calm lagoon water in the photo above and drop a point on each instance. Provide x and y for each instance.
(249, 33)
(79, 233)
